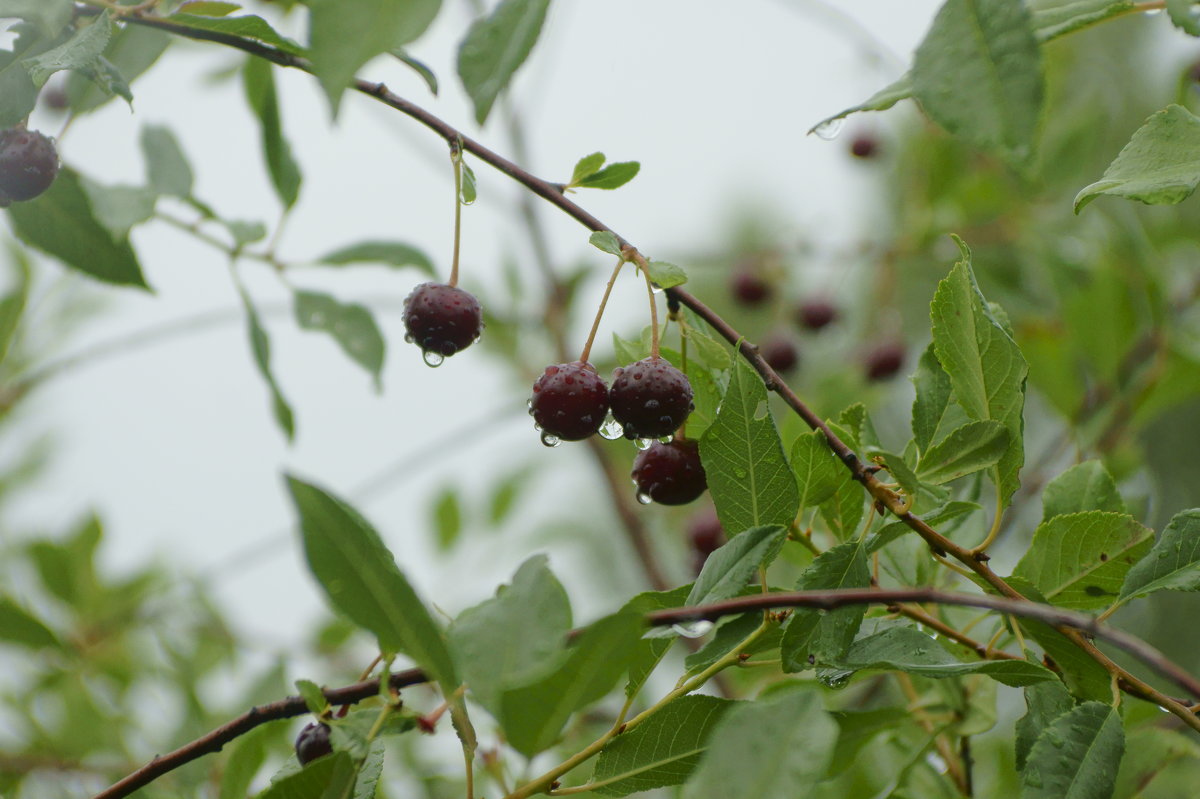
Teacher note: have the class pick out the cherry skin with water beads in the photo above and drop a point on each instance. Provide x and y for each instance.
(569, 401)
(441, 319)
(671, 473)
(650, 398)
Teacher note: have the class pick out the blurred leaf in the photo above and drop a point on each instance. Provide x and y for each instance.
(81, 53)
(391, 253)
(730, 567)
(662, 751)
(18, 94)
(260, 346)
(209, 8)
(258, 83)
(748, 475)
(50, 16)
(968, 449)
(1183, 16)
(19, 626)
(1172, 564)
(613, 176)
(882, 100)
(447, 518)
(607, 241)
(1159, 166)
(495, 47)
(753, 750)
(131, 51)
(346, 34)
(469, 191)
(1044, 703)
(1067, 17)
(12, 304)
(61, 223)
(243, 27)
(505, 495)
(1077, 756)
(420, 68)
(857, 728)
(119, 208)
(352, 326)
(586, 167)
(1085, 486)
(814, 636)
(314, 697)
(1079, 560)
(246, 757)
(1149, 750)
(978, 74)
(329, 777)
(167, 167)
(985, 365)
(361, 579)
(908, 650)
(665, 275)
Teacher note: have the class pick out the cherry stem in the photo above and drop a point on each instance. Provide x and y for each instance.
(587, 347)
(456, 159)
(640, 260)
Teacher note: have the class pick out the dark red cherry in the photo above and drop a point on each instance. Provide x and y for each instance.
(779, 353)
(748, 287)
(313, 742)
(28, 164)
(441, 319)
(650, 398)
(569, 401)
(884, 361)
(816, 314)
(864, 146)
(705, 536)
(670, 474)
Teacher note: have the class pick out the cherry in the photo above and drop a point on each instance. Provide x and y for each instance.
(650, 398)
(864, 146)
(705, 535)
(55, 98)
(28, 164)
(816, 314)
(313, 742)
(779, 353)
(749, 288)
(569, 401)
(884, 361)
(441, 319)
(670, 474)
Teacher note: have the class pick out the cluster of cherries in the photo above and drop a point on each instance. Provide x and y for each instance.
(28, 165)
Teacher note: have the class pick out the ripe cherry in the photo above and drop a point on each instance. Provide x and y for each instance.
(816, 314)
(670, 474)
(864, 146)
(313, 742)
(779, 353)
(28, 165)
(441, 319)
(569, 401)
(884, 361)
(748, 287)
(650, 398)
(705, 536)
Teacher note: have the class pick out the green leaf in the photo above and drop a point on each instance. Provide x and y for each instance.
(258, 84)
(62, 223)
(776, 749)
(515, 638)
(366, 782)
(167, 167)
(532, 716)
(18, 95)
(345, 34)
(1183, 16)
(1172, 564)
(586, 167)
(649, 652)
(391, 253)
(447, 518)
(14, 301)
(244, 27)
(882, 100)
(968, 449)
(1079, 560)
(210, 8)
(314, 697)
(1085, 486)
(813, 636)
(352, 326)
(662, 751)
(936, 517)
(1148, 751)
(665, 275)
(1059, 20)
(495, 47)
(933, 397)
(978, 74)
(362, 581)
(748, 475)
(732, 635)
(607, 241)
(1077, 756)
(908, 650)
(1045, 702)
(49, 16)
(246, 757)
(468, 193)
(730, 567)
(856, 729)
(1085, 678)
(1159, 166)
(80, 53)
(260, 346)
(131, 51)
(119, 208)
(420, 68)
(613, 176)
(985, 365)
(328, 777)
(19, 626)
(818, 471)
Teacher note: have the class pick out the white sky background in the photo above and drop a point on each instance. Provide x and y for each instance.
(173, 444)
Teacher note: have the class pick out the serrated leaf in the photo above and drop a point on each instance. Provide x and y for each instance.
(607, 241)
(818, 471)
(1044, 702)
(366, 781)
(80, 53)
(167, 168)
(533, 716)
(665, 275)
(753, 752)
(61, 222)
(650, 651)
(978, 74)
(131, 51)
(938, 516)
(908, 650)
(1085, 486)
(244, 27)
(391, 253)
(345, 34)
(1173, 563)
(258, 84)
(585, 167)
(495, 47)
(260, 347)
(314, 698)
(328, 777)
(514, 638)
(351, 325)
(968, 449)
(662, 751)
(986, 369)
(1077, 756)
(49, 16)
(730, 567)
(932, 385)
(19, 626)
(1084, 677)
(748, 475)
(362, 581)
(1079, 560)
(613, 176)
(813, 636)
(1159, 166)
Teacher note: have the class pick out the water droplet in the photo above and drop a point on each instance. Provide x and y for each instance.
(1032, 778)
(611, 430)
(835, 679)
(550, 440)
(408, 337)
(829, 129)
(693, 629)
(643, 498)
(651, 405)
(642, 444)
(529, 405)
(656, 289)
(433, 359)
(665, 439)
